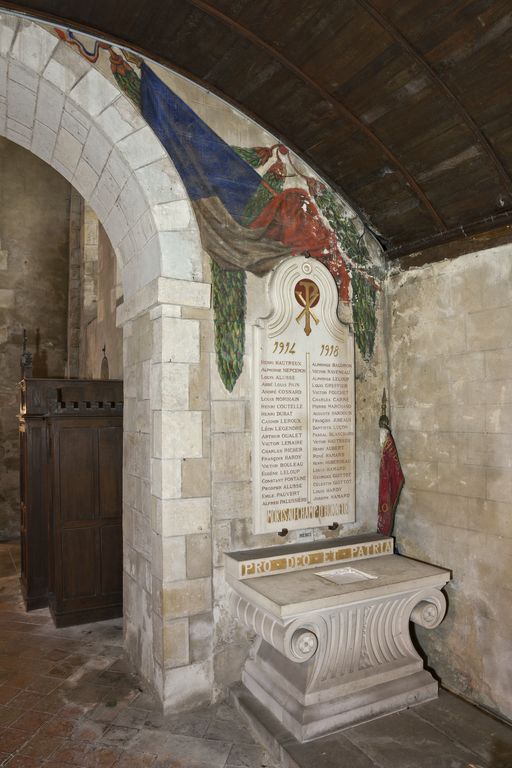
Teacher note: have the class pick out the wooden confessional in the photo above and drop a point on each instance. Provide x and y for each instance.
(71, 444)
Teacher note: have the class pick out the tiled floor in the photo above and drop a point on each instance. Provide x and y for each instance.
(67, 698)
(445, 733)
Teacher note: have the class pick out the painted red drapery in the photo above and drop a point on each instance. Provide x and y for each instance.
(292, 218)
(391, 480)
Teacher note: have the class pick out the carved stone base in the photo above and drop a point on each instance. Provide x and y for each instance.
(330, 656)
(307, 722)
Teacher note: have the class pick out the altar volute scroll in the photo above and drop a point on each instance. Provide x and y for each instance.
(304, 441)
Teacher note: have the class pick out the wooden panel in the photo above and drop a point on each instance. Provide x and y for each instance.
(77, 455)
(67, 559)
(110, 459)
(451, 247)
(88, 545)
(111, 544)
(36, 513)
(33, 513)
(404, 71)
(78, 563)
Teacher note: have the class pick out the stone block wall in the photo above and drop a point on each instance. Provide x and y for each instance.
(182, 507)
(451, 387)
(34, 232)
(101, 331)
(168, 585)
(89, 242)
(137, 501)
(74, 284)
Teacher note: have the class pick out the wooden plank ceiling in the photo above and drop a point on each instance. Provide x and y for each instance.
(406, 107)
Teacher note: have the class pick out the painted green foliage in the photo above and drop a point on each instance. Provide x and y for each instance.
(272, 181)
(351, 264)
(129, 83)
(229, 286)
(364, 294)
(229, 306)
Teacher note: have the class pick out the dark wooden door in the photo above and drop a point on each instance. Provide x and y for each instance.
(85, 518)
(33, 512)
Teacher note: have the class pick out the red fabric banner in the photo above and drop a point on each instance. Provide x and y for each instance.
(391, 481)
(292, 218)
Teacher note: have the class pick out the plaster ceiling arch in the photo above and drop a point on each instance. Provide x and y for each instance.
(59, 107)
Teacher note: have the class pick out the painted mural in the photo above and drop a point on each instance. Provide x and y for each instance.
(254, 207)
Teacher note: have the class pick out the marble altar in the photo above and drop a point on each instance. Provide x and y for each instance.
(334, 652)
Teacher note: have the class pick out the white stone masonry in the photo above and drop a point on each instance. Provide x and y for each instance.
(58, 106)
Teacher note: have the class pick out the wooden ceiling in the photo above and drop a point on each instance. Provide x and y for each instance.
(405, 106)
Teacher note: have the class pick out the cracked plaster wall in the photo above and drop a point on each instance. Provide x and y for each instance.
(451, 389)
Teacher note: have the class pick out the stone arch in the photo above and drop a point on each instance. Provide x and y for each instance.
(58, 106)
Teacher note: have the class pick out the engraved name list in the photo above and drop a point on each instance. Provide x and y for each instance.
(304, 404)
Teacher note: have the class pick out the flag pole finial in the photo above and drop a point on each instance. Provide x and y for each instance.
(384, 421)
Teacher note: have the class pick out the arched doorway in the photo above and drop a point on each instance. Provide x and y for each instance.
(59, 107)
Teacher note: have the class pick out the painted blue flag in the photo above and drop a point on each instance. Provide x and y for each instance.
(205, 162)
(219, 182)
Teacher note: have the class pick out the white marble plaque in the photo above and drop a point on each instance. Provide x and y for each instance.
(303, 453)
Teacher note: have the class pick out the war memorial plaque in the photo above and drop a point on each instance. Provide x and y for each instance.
(304, 442)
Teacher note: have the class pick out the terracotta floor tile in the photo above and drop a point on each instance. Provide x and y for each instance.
(13, 677)
(20, 627)
(119, 736)
(132, 718)
(61, 670)
(88, 731)
(43, 684)
(70, 753)
(55, 655)
(143, 701)
(12, 739)
(103, 713)
(57, 764)
(41, 746)
(52, 703)
(108, 677)
(7, 648)
(17, 679)
(150, 741)
(19, 761)
(76, 660)
(35, 666)
(58, 726)
(74, 710)
(101, 757)
(128, 760)
(30, 722)
(34, 617)
(121, 665)
(8, 714)
(7, 693)
(9, 661)
(28, 700)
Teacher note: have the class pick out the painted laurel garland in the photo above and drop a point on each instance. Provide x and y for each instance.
(272, 211)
